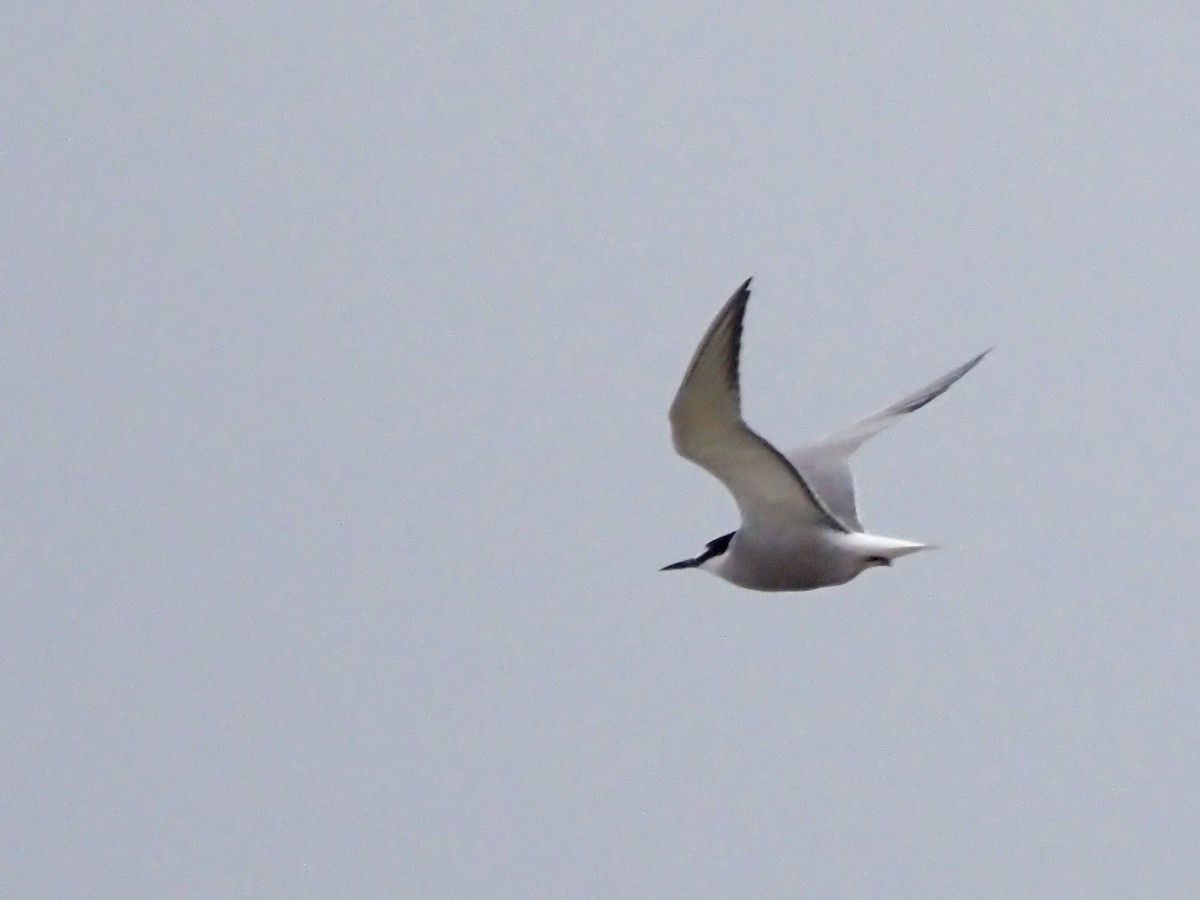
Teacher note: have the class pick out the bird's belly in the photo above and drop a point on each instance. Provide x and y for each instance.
(800, 562)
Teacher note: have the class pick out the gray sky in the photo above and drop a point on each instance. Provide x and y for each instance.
(337, 346)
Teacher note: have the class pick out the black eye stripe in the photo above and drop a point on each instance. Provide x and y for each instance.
(716, 547)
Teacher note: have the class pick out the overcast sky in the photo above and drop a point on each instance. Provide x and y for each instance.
(335, 352)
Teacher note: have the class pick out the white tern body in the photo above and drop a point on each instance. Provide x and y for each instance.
(800, 527)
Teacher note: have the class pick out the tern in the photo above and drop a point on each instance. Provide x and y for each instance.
(800, 528)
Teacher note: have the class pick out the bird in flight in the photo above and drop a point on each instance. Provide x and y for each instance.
(800, 528)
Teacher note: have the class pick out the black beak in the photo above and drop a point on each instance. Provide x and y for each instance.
(682, 564)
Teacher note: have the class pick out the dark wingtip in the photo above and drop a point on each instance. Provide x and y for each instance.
(739, 300)
(968, 366)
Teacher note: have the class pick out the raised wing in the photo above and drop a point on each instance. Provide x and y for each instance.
(827, 471)
(707, 428)
(851, 438)
(826, 464)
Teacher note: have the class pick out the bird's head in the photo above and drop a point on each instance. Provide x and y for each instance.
(713, 551)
